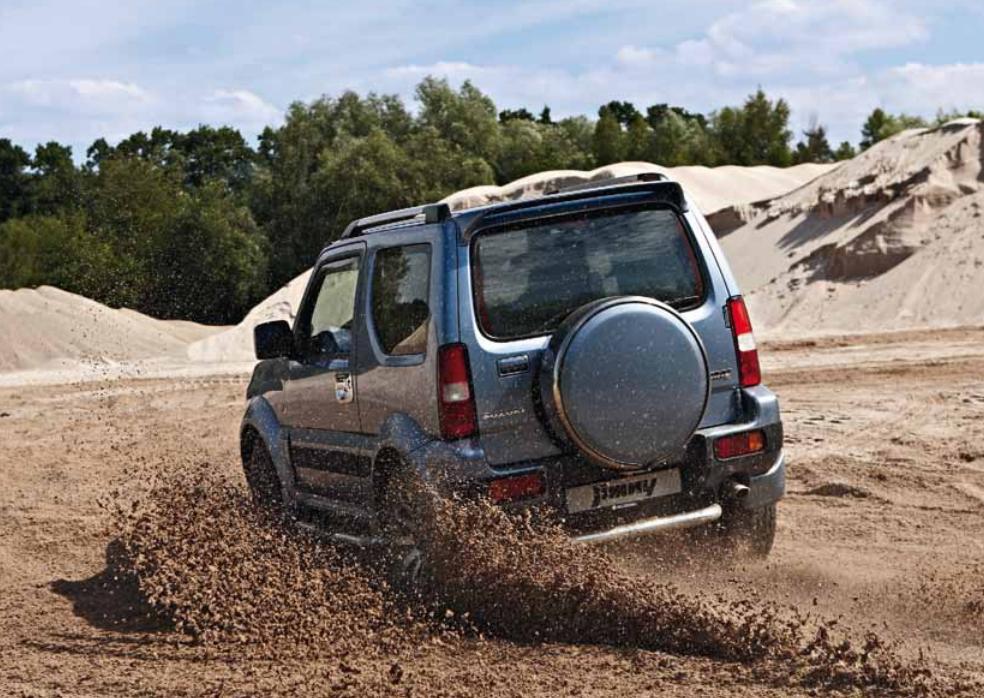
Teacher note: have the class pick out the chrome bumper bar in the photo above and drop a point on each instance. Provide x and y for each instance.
(657, 523)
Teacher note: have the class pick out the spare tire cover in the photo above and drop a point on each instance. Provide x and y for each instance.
(625, 381)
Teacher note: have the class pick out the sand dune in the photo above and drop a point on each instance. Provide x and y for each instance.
(236, 343)
(714, 188)
(50, 328)
(892, 239)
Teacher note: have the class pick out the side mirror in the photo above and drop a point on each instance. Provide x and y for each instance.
(272, 340)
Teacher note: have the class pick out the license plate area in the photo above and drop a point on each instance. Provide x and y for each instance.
(624, 491)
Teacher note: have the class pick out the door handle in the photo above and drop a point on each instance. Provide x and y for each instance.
(343, 387)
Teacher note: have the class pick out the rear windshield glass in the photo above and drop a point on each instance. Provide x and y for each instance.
(528, 278)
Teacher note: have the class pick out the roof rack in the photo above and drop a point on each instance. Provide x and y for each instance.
(611, 182)
(430, 213)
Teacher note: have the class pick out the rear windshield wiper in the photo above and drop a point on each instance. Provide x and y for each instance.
(683, 302)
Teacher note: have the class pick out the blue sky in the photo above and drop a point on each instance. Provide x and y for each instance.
(77, 70)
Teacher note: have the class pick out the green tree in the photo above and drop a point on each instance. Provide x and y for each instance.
(609, 141)
(814, 147)
(512, 114)
(624, 112)
(209, 264)
(881, 125)
(14, 180)
(944, 116)
(522, 150)
(206, 155)
(845, 151)
(756, 133)
(638, 139)
(466, 118)
(673, 136)
(57, 182)
(567, 144)
(878, 126)
(57, 251)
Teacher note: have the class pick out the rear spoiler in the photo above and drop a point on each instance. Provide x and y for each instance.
(635, 189)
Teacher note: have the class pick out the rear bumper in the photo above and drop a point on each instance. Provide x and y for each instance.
(767, 488)
(764, 490)
(461, 468)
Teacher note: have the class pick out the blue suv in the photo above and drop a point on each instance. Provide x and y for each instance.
(587, 351)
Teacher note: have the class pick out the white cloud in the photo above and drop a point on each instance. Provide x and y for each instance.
(914, 85)
(78, 111)
(239, 107)
(630, 55)
(778, 36)
(448, 69)
(88, 95)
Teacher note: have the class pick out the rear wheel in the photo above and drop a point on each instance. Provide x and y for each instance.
(262, 479)
(751, 530)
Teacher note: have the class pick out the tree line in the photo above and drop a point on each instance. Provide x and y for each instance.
(200, 225)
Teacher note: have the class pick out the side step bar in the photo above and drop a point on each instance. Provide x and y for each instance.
(657, 523)
(339, 537)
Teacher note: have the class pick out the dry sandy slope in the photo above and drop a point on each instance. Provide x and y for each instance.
(713, 188)
(50, 328)
(889, 240)
(882, 526)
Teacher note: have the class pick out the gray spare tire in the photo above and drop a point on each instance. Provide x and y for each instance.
(624, 381)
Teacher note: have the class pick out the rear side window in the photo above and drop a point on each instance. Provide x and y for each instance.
(400, 292)
(529, 277)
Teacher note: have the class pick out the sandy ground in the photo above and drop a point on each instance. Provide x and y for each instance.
(882, 529)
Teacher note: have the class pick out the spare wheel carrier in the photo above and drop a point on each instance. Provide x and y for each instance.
(624, 381)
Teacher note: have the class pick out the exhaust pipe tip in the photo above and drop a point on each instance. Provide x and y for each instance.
(736, 490)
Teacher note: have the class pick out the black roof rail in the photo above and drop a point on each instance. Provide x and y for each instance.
(431, 213)
(611, 182)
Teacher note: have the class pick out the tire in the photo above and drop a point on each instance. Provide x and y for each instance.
(751, 530)
(262, 479)
(400, 518)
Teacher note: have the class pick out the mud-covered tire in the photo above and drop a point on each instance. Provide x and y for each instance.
(262, 479)
(753, 531)
(400, 522)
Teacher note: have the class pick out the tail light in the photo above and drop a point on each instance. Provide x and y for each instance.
(455, 400)
(741, 444)
(749, 373)
(509, 489)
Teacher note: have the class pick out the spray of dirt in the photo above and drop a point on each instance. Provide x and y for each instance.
(225, 572)
(526, 580)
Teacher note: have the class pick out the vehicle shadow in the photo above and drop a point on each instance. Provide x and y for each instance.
(111, 599)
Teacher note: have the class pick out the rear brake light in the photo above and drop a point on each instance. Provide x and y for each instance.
(455, 400)
(509, 489)
(749, 373)
(739, 444)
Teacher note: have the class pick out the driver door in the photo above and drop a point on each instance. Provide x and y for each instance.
(326, 449)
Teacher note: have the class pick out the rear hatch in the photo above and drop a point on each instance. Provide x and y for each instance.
(520, 277)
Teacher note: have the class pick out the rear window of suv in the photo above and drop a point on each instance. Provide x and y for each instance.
(528, 277)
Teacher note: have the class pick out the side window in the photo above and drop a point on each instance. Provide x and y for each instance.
(400, 292)
(326, 328)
